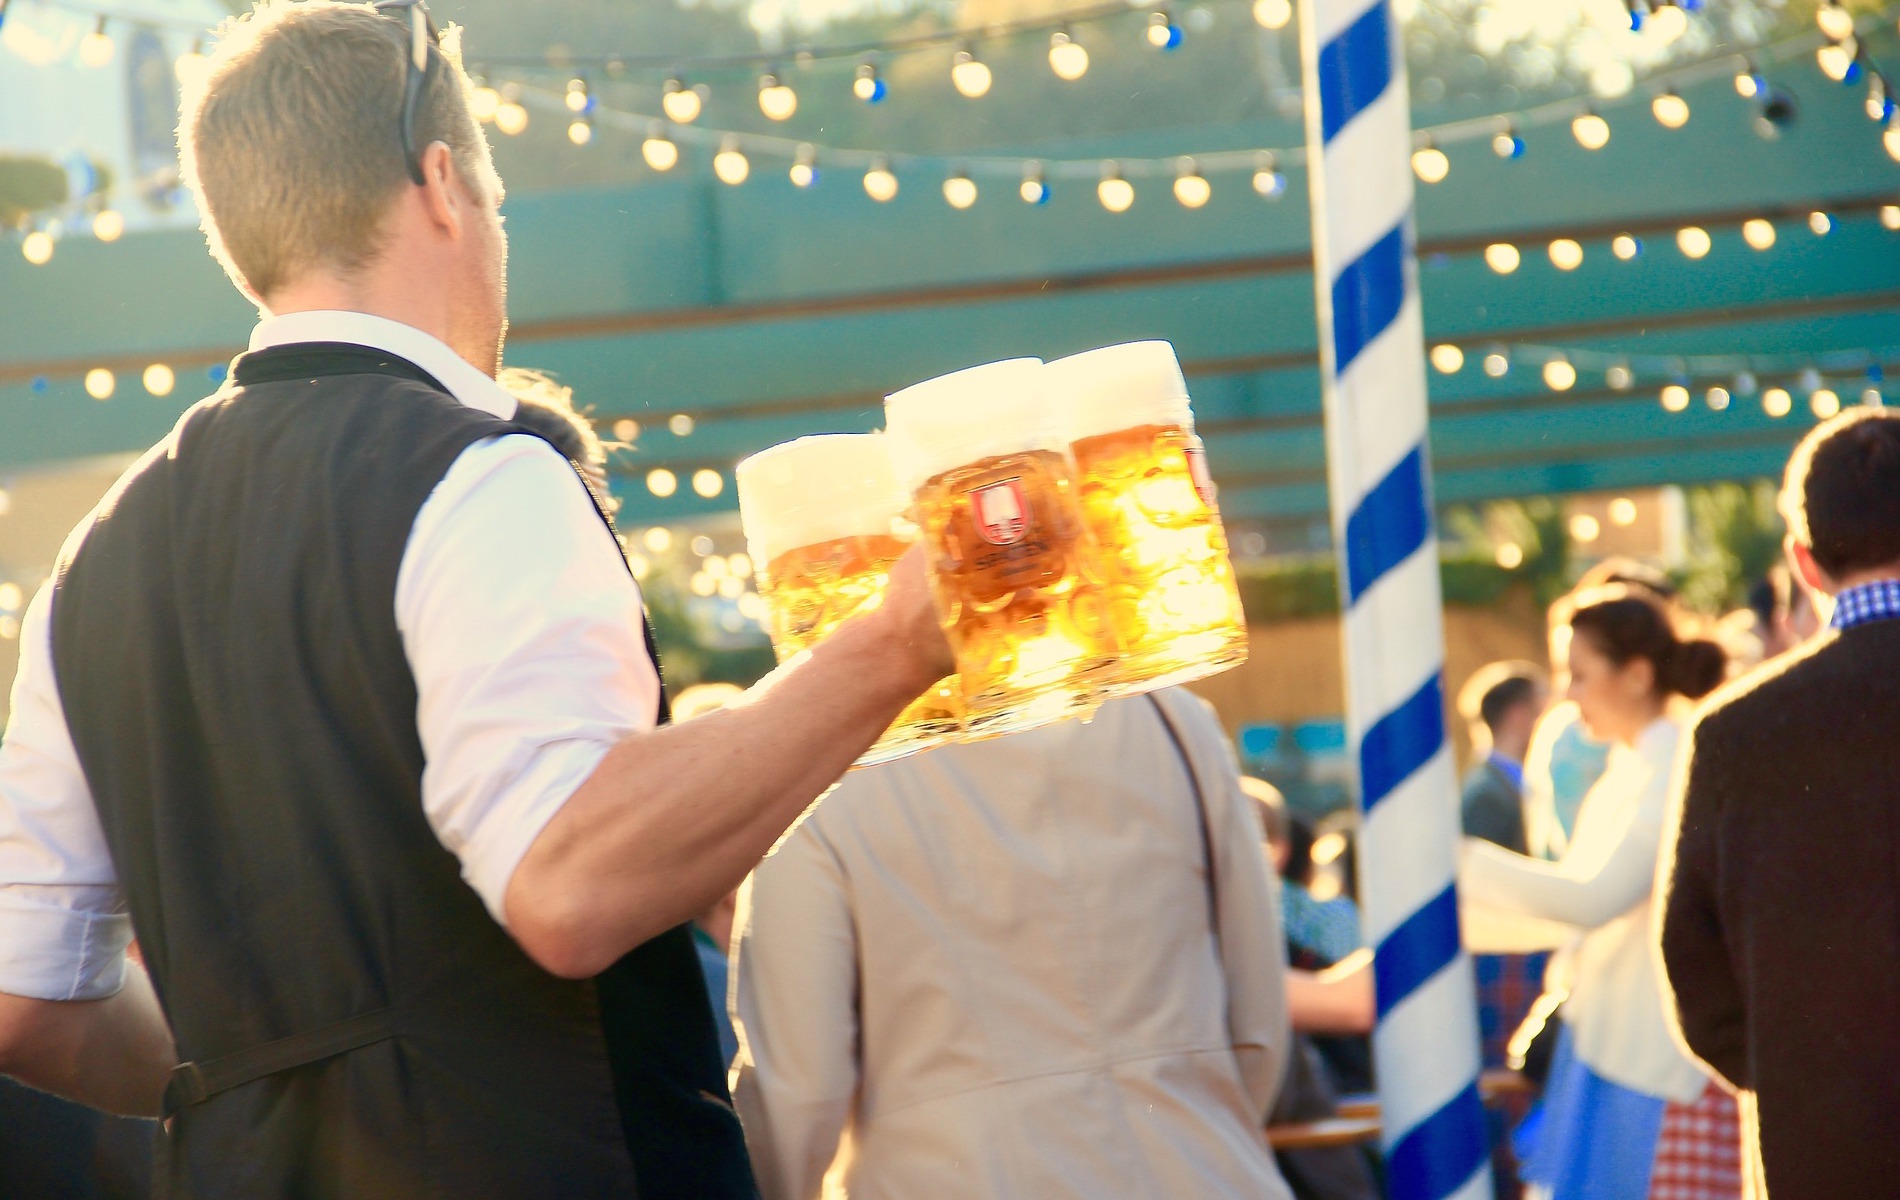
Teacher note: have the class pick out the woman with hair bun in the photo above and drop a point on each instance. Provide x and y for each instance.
(1627, 1115)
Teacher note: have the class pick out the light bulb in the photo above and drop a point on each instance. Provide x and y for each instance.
(1447, 358)
(1163, 33)
(1872, 398)
(580, 131)
(1510, 556)
(1890, 216)
(661, 152)
(1566, 254)
(510, 117)
(1776, 402)
(190, 65)
(969, 75)
(1619, 377)
(1891, 140)
(1820, 223)
(37, 247)
(680, 103)
(879, 183)
(1675, 397)
(95, 49)
(1585, 528)
(483, 103)
(662, 483)
(1717, 398)
(1667, 23)
(731, 165)
(708, 483)
(1430, 164)
(1115, 193)
(1501, 257)
(1559, 376)
(1834, 21)
(1625, 247)
(1693, 241)
(100, 383)
(1507, 144)
(804, 172)
(1622, 511)
(158, 379)
(1671, 110)
(680, 425)
(578, 101)
(108, 224)
(1825, 402)
(627, 430)
(1272, 14)
(1591, 131)
(776, 100)
(959, 191)
(1267, 180)
(1497, 365)
(1033, 190)
(1191, 187)
(869, 86)
(1834, 59)
(1758, 233)
(1879, 105)
(1067, 57)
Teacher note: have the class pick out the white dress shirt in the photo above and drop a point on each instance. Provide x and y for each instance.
(1001, 971)
(1599, 897)
(520, 625)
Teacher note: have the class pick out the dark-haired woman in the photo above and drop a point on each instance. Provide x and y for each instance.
(1626, 1114)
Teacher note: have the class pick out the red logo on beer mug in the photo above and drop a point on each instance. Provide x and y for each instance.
(1197, 470)
(1001, 516)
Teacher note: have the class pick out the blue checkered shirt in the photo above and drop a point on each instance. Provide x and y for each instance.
(1876, 601)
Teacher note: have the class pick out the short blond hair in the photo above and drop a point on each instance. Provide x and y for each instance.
(291, 138)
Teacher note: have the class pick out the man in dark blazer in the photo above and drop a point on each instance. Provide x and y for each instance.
(1780, 926)
(1500, 704)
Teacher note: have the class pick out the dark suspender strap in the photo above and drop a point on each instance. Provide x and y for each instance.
(193, 1083)
(1200, 803)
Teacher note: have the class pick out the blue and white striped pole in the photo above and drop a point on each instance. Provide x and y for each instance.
(1372, 370)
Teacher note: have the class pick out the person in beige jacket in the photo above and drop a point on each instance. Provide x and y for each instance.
(1044, 966)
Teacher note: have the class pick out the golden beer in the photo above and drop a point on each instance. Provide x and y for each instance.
(1150, 505)
(838, 492)
(1012, 564)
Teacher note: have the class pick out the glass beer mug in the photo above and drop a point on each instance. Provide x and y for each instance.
(1012, 564)
(822, 518)
(1149, 503)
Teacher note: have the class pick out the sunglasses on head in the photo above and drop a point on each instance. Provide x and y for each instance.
(418, 66)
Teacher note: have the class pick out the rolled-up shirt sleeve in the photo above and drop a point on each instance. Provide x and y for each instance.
(522, 627)
(63, 925)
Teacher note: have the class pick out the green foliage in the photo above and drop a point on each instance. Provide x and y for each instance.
(1735, 535)
(684, 655)
(1308, 586)
(27, 186)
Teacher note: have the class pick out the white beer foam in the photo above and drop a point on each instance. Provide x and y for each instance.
(959, 418)
(1119, 387)
(817, 489)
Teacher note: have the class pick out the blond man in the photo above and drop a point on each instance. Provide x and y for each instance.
(340, 701)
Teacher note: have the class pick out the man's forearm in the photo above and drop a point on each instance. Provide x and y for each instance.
(113, 1054)
(673, 819)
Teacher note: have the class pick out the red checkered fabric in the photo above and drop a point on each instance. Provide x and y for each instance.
(1699, 1153)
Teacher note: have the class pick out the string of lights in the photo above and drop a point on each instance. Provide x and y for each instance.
(1820, 376)
(507, 107)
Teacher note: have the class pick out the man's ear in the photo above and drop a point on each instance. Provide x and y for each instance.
(442, 192)
(1809, 572)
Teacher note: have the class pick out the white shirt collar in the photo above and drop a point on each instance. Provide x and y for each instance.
(450, 369)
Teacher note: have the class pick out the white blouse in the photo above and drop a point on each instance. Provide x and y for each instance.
(1598, 896)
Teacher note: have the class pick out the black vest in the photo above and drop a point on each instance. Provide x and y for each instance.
(228, 660)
